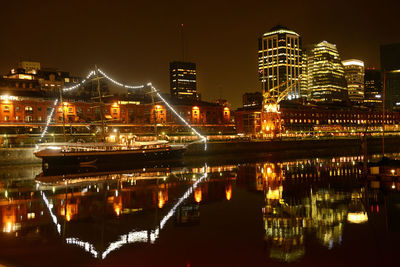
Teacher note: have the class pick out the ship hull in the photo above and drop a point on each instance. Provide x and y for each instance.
(132, 158)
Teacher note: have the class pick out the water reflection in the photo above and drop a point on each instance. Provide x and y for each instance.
(297, 202)
(308, 199)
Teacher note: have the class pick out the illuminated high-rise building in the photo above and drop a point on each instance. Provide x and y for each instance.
(279, 60)
(372, 88)
(183, 83)
(325, 74)
(390, 67)
(354, 74)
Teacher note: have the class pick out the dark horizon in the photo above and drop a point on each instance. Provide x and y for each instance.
(134, 42)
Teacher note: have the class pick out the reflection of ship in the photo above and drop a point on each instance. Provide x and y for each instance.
(187, 214)
(108, 153)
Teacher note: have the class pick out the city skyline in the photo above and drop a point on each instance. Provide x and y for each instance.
(223, 44)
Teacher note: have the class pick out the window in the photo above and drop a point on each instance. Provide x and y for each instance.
(6, 118)
(28, 118)
(70, 110)
(17, 108)
(17, 118)
(39, 109)
(28, 108)
(40, 118)
(6, 108)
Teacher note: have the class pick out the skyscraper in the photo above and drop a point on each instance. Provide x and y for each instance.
(390, 67)
(279, 60)
(325, 73)
(372, 88)
(183, 83)
(354, 74)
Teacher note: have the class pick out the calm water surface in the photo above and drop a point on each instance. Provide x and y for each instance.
(293, 213)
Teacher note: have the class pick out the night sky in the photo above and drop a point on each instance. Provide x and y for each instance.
(134, 41)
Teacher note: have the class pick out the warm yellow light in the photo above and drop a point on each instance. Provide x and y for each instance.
(195, 107)
(162, 198)
(357, 217)
(274, 193)
(228, 192)
(197, 195)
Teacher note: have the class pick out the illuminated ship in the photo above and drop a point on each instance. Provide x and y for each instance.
(92, 154)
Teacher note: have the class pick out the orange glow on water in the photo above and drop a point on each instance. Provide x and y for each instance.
(228, 192)
(117, 205)
(162, 198)
(197, 194)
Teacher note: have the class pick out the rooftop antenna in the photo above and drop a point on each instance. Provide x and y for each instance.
(182, 42)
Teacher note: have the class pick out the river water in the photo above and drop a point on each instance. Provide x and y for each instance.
(297, 212)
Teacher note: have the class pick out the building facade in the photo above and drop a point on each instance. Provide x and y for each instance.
(279, 61)
(325, 74)
(390, 67)
(33, 112)
(354, 74)
(312, 118)
(372, 88)
(183, 82)
(252, 99)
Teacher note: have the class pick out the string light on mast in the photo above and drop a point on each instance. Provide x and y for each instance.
(48, 121)
(92, 73)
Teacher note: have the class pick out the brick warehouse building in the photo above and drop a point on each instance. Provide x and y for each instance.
(309, 118)
(32, 112)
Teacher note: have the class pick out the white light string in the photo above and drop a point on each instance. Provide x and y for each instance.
(50, 116)
(92, 73)
(118, 83)
(48, 120)
(134, 236)
(159, 95)
(81, 83)
(176, 113)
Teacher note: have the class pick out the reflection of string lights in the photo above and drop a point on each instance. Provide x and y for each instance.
(86, 245)
(142, 236)
(131, 237)
(49, 207)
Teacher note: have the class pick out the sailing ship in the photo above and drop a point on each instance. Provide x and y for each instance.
(92, 154)
(87, 154)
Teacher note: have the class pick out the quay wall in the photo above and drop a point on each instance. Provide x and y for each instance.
(374, 145)
(11, 156)
(15, 156)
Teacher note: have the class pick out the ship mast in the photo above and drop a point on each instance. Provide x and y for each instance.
(152, 92)
(102, 136)
(63, 114)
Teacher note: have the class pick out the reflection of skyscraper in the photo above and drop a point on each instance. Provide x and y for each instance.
(354, 74)
(290, 213)
(279, 60)
(325, 73)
